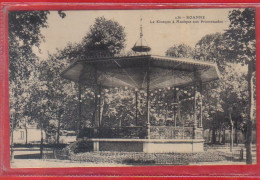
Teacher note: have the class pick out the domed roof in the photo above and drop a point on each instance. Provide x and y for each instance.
(141, 46)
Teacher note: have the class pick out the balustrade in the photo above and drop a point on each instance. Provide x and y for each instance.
(168, 132)
(139, 132)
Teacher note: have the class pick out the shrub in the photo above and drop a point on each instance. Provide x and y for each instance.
(78, 147)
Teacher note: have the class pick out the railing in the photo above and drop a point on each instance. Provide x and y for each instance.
(169, 132)
(139, 132)
(134, 132)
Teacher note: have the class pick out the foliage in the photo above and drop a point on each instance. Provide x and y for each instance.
(24, 35)
(180, 51)
(241, 35)
(229, 91)
(230, 50)
(40, 92)
(213, 48)
(24, 27)
(28, 94)
(53, 100)
(105, 38)
(105, 35)
(40, 82)
(79, 147)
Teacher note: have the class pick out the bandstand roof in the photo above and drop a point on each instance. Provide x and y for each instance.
(131, 71)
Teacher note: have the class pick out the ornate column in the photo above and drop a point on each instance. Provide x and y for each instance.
(136, 105)
(79, 107)
(200, 103)
(200, 132)
(195, 123)
(173, 108)
(95, 119)
(99, 106)
(194, 109)
(148, 100)
(197, 131)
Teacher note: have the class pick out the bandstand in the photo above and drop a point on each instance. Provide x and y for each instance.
(146, 72)
(149, 73)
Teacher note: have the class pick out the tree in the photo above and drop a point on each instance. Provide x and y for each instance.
(105, 38)
(227, 92)
(56, 94)
(119, 108)
(241, 37)
(24, 34)
(24, 29)
(230, 91)
(212, 48)
(180, 51)
(235, 98)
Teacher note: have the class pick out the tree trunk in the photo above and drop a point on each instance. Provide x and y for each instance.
(58, 131)
(165, 116)
(12, 141)
(236, 136)
(224, 136)
(41, 145)
(231, 132)
(95, 120)
(94, 115)
(101, 111)
(248, 142)
(209, 136)
(79, 109)
(219, 136)
(213, 140)
(26, 134)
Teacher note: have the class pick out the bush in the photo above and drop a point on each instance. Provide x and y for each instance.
(78, 147)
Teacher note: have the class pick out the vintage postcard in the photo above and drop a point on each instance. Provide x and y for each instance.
(121, 88)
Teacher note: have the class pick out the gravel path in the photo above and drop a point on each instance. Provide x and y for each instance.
(52, 163)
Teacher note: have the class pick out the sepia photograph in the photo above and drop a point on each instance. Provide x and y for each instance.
(114, 88)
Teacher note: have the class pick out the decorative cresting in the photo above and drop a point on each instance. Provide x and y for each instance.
(141, 45)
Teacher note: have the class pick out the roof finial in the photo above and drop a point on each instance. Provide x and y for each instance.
(141, 45)
(141, 28)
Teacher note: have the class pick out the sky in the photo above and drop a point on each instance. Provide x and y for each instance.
(159, 35)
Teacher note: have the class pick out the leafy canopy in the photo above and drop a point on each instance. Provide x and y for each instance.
(241, 35)
(180, 51)
(23, 34)
(105, 35)
(105, 38)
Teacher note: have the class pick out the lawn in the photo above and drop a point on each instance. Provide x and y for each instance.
(140, 158)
